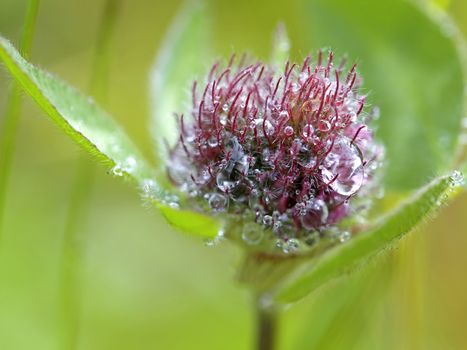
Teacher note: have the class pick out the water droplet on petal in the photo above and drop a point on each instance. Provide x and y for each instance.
(263, 126)
(284, 116)
(277, 226)
(223, 119)
(315, 214)
(343, 169)
(224, 182)
(308, 131)
(324, 125)
(225, 107)
(288, 131)
(218, 202)
(212, 142)
(267, 220)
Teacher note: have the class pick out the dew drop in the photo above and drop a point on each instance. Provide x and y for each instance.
(253, 199)
(267, 220)
(117, 170)
(174, 205)
(216, 240)
(224, 183)
(130, 164)
(151, 190)
(353, 117)
(190, 138)
(288, 131)
(308, 131)
(291, 246)
(212, 142)
(343, 169)
(277, 226)
(210, 242)
(312, 239)
(344, 236)
(456, 179)
(315, 214)
(225, 107)
(223, 119)
(264, 126)
(284, 115)
(300, 208)
(308, 163)
(148, 186)
(243, 165)
(252, 234)
(324, 125)
(218, 202)
(294, 87)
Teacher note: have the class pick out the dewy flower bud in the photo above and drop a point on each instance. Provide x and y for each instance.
(283, 154)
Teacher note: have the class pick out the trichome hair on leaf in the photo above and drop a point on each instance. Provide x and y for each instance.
(284, 154)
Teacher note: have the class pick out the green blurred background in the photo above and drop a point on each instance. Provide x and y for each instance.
(145, 286)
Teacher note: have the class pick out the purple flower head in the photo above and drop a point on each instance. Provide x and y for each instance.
(283, 152)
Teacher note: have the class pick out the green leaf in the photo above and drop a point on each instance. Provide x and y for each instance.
(78, 116)
(184, 55)
(191, 222)
(96, 132)
(343, 258)
(413, 72)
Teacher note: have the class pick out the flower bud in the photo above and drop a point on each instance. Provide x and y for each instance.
(285, 153)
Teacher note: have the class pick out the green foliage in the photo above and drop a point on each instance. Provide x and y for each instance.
(184, 55)
(95, 131)
(417, 82)
(191, 222)
(78, 116)
(340, 260)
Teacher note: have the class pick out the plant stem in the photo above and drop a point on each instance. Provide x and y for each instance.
(82, 186)
(266, 325)
(13, 110)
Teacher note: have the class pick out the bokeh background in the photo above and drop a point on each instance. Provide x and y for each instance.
(145, 286)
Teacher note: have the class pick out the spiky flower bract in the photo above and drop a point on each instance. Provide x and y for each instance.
(285, 155)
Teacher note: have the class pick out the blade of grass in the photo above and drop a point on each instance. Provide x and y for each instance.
(70, 285)
(13, 110)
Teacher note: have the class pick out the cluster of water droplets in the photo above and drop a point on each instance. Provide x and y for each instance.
(129, 165)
